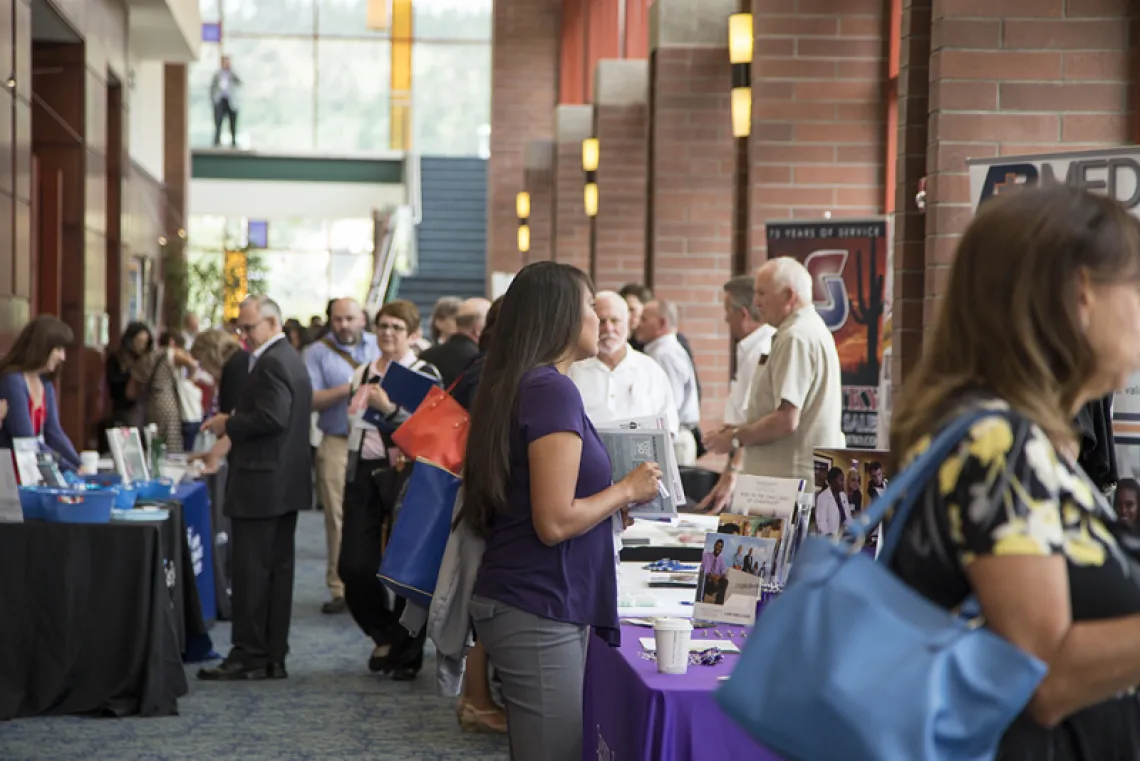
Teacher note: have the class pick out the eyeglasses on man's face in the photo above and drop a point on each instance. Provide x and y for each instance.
(247, 329)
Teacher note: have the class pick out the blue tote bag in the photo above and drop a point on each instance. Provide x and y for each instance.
(851, 664)
(410, 566)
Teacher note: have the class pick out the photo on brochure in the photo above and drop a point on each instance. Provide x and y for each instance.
(846, 482)
(127, 452)
(759, 526)
(733, 568)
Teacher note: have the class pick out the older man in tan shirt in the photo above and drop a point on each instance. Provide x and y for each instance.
(796, 399)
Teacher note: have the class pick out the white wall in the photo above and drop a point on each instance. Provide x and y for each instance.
(146, 110)
(273, 200)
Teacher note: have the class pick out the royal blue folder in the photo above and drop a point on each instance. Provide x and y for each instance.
(406, 387)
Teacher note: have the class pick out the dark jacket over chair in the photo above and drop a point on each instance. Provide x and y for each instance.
(270, 461)
(18, 424)
(451, 357)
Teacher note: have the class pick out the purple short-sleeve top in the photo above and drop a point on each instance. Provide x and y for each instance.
(574, 581)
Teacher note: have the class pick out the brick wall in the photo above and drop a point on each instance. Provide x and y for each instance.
(693, 164)
(907, 309)
(539, 182)
(524, 75)
(818, 111)
(1011, 77)
(571, 225)
(621, 124)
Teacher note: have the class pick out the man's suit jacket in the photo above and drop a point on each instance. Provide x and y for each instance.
(451, 357)
(270, 473)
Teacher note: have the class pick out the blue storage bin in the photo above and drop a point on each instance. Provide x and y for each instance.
(77, 505)
(158, 489)
(31, 502)
(125, 496)
(104, 479)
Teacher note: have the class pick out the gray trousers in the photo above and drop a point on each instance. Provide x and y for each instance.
(541, 664)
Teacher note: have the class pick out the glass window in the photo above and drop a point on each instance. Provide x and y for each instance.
(451, 19)
(297, 234)
(298, 281)
(201, 107)
(209, 10)
(207, 232)
(269, 16)
(352, 96)
(354, 235)
(451, 97)
(350, 275)
(276, 96)
(344, 17)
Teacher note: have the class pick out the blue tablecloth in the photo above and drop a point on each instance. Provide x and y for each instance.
(195, 499)
(632, 712)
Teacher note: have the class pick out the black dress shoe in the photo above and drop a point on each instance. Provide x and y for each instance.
(405, 674)
(335, 605)
(276, 671)
(232, 671)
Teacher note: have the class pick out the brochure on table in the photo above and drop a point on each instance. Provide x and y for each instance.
(632, 441)
(127, 452)
(10, 510)
(749, 549)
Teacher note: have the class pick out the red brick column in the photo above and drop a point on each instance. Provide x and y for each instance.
(539, 182)
(819, 111)
(571, 225)
(1015, 77)
(524, 88)
(692, 168)
(908, 304)
(621, 119)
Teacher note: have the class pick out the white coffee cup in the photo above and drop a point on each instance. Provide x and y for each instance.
(89, 462)
(672, 636)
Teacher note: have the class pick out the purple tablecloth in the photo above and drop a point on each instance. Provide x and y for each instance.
(632, 712)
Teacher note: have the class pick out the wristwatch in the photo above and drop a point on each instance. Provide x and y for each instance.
(735, 443)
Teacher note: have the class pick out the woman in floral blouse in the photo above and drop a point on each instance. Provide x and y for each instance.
(1042, 314)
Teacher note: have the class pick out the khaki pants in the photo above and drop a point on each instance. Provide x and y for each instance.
(332, 462)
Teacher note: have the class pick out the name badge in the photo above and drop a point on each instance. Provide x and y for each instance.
(763, 359)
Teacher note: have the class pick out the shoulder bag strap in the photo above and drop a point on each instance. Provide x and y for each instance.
(340, 352)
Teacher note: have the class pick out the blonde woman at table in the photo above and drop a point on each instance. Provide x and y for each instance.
(539, 489)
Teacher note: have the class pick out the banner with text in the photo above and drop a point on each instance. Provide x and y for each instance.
(847, 260)
(1114, 172)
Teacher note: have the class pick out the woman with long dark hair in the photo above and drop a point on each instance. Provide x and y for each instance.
(539, 489)
(27, 373)
(136, 343)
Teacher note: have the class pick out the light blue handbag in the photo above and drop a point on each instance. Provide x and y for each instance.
(851, 664)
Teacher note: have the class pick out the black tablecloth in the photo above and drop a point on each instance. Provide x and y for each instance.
(216, 483)
(87, 621)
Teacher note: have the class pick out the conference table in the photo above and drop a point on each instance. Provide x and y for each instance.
(94, 616)
(632, 712)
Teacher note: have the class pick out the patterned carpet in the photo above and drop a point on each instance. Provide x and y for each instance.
(330, 709)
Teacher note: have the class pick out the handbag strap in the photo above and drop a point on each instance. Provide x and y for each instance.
(904, 491)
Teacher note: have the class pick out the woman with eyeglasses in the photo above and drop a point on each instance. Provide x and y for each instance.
(375, 476)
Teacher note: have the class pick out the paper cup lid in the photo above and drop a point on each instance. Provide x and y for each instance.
(673, 624)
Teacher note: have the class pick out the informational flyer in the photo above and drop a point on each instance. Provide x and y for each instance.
(733, 568)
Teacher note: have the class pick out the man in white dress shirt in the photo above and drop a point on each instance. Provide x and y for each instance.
(658, 331)
(753, 341)
(621, 383)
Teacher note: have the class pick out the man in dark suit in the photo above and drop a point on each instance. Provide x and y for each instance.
(453, 355)
(270, 479)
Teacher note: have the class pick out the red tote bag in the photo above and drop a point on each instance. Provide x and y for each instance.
(436, 431)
